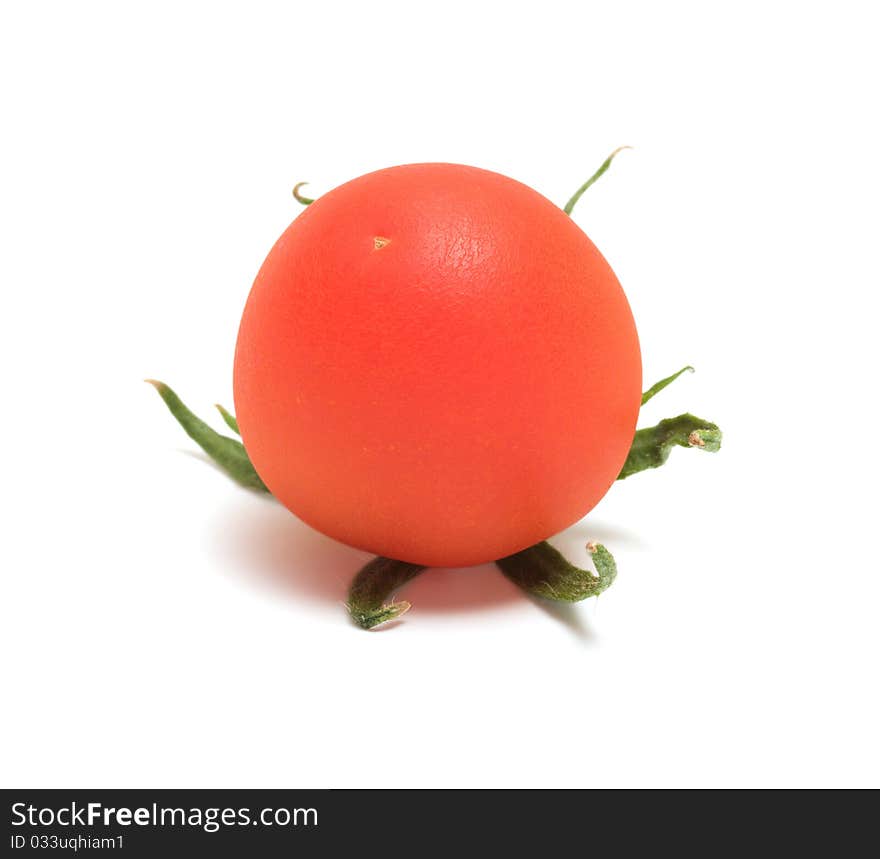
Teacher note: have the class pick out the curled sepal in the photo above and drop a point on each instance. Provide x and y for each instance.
(300, 198)
(228, 453)
(228, 419)
(375, 584)
(602, 168)
(659, 386)
(651, 446)
(542, 571)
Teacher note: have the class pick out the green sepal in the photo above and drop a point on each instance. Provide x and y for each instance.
(659, 386)
(652, 445)
(544, 572)
(375, 584)
(228, 419)
(602, 168)
(306, 201)
(227, 452)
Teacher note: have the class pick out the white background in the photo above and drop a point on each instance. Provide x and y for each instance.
(162, 627)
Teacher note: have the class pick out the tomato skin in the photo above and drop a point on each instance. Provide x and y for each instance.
(435, 364)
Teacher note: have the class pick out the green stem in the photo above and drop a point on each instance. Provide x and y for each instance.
(580, 191)
(230, 421)
(655, 389)
(375, 584)
(542, 571)
(228, 453)
(651, 446)
(306, 201)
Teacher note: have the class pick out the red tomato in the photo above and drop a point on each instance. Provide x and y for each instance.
(436, 364)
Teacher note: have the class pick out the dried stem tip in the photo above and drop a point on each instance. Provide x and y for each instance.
(707, 438)
(375, 584)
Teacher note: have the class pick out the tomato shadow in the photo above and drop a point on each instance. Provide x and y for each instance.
(572, 541)
(570, 615)
(268, 544)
